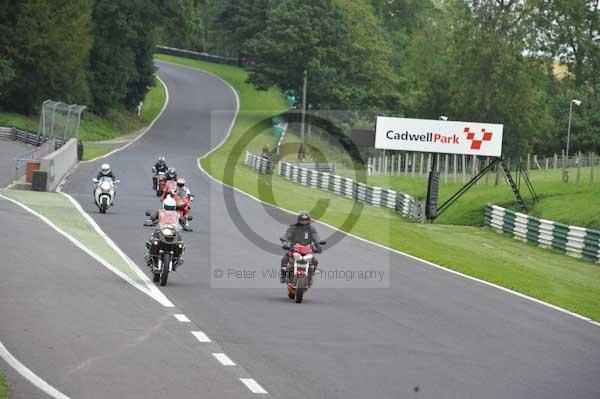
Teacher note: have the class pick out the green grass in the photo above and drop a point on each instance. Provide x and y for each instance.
(94, 128)
(91, 151)
(544, 274)
(4, 388)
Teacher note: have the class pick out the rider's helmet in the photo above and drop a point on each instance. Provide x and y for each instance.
(171, 174)
(161, 161)
(303, 218)
(105, 169)
(181, 182)
(169, 204)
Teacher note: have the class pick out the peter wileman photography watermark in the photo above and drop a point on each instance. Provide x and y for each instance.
(256, 276)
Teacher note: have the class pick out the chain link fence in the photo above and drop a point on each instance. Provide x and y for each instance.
(59, 121)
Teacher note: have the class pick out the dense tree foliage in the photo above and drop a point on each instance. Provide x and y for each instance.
(514, 62)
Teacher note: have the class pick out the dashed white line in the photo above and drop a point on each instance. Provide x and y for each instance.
(201, 336)
(182, 318)
(253, 385)
(224, 359)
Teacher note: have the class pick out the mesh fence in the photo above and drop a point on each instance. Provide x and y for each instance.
(59, 120)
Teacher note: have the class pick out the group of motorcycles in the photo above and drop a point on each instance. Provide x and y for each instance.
(165, 248)
(168, 246)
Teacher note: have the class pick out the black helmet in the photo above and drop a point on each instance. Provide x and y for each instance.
(304, 216)
(171, 173)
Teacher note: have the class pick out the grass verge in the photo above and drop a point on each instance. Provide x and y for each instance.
(4, 388)
(570, 283)
(91, 151)
(60, 211)
(95, 128)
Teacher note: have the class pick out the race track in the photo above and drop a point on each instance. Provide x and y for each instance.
(431, 334)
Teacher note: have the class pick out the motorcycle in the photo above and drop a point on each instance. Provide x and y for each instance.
(158, 182)
(104, 193)
(299, 268)
(169, 250)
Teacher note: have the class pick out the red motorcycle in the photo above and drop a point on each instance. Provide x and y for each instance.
(159, 183)
(299, 269)
(183, 204)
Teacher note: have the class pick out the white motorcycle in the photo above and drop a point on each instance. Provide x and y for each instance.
(104, 194)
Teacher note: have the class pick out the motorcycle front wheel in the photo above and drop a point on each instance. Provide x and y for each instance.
(164, 273)
(300, 289)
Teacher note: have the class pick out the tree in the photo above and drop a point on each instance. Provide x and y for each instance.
(339, 43)
(121, 58)
(47, 51)
(241, 20)
(182, 25)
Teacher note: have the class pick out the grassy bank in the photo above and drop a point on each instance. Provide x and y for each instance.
(94, 128)
(547, 275)
(4, 389)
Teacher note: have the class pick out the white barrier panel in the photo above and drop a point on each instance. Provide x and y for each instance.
(59, 163)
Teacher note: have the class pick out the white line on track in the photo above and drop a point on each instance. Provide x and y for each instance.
(30, 375)
(439, 267)
(253, 386)
(91, 253)
(223, 359)
(200, 336)
(182, 318)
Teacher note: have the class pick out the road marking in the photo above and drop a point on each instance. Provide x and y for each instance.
(223, 359)
(88, 251)
(150, 286)
(200, 336)
(30, 375)
(253, 385)
(182, 318)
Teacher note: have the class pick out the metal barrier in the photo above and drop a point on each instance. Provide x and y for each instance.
(404, 204)
(262, 165)
(198, 56)
(571, 240)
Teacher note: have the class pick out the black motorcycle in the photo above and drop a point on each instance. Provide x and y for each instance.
(165, 250)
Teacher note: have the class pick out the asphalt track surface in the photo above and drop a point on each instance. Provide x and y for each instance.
(431, 334)
(9, 150)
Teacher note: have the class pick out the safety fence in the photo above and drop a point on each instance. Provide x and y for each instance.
(199, 56)
(572, 240)
(13, 133)
(404, 204)
(261, 164)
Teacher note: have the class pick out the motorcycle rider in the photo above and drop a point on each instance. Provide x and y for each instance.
(178, 193)
(304, 233)
(105, 172)
(171, 174)
(159, 166)
(165, 216)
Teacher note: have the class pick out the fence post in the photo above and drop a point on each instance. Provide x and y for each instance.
(546, 168)
(414, 164)
(454, 167)
(528, 162)
(421, 165)
(592, 166)
(578, 161)
(464, 168)
(565, 177)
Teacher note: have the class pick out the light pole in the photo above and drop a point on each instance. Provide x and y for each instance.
(578, 103)
(301, 152)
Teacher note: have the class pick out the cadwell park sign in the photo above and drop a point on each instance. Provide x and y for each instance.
(447, 137)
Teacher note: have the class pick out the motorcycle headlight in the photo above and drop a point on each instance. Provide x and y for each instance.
(297, 256)
(105, 186)
(168, 232)
(308, 257)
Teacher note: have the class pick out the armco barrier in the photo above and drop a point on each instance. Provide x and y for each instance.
(262, 165)
(59, 162)
(197, 56)
(404, 204)
(572, 240)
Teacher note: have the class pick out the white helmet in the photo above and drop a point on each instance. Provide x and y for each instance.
(105, 168)
(169, 204)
